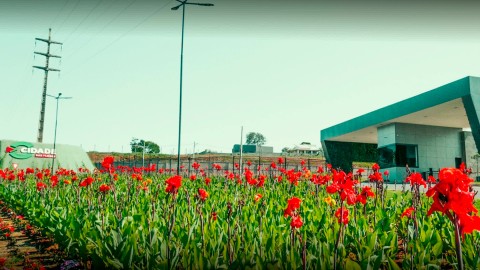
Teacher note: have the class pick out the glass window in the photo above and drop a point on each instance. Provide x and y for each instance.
(398, 155)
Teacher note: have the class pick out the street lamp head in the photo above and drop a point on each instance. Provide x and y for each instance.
(176, 7)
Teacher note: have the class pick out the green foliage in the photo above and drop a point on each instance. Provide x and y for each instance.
(128, 227)
(255, 138)
(138, 146)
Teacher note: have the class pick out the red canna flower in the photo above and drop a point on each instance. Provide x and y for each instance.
(416, 179)
(375, 177)
(363, 196)
(293, 204)
(296, 222)
(104, 188)
(9, 149)
(193, 177)
(207, 181)
(302, 162)
(342, 215)
(453, 196)
(41, 186)
(173, 184)
(214, 215)
(196, 165)
(3, 261)
(203, 194)
(375, 167)
(86, 182)
(107, 162)
(408, 212)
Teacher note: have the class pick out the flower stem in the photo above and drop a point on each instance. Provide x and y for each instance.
(458, 243)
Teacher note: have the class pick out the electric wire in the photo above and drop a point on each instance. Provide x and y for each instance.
(59, 12)
(83, 21)
(68, 16)
(120, 37)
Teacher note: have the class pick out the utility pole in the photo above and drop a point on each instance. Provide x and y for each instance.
(194, 151)
(46, 68)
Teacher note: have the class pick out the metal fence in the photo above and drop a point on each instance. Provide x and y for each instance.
(225, 163)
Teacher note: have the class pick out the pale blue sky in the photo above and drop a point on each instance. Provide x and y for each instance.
(286, 69)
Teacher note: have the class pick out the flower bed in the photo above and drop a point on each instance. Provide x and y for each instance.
(265, 218)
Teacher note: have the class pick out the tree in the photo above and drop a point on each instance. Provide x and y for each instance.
(138, 145)
(255, 138)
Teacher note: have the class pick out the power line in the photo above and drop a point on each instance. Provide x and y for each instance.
(84, 19)
(59, 12)
(119, 37)
(68, 16)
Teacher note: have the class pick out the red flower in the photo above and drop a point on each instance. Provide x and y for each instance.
(293, 204)
(280, 161)
(173, 184)
(104, 188)
(9, 149)
(375, 167)
(408, 212)
(342, 215)
(193, 177)
(41, 186)
(107, 162)
(257, 197)
(366, 192)
(453, 197)
(203, 194)
(3, 261)
(86, 182)
(207, 181)
(296, 222)
(416, 179)
(375, 177)
(195, 165)
(214, 215)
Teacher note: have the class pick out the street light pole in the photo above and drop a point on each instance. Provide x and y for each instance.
(59, 96)
(182, 4)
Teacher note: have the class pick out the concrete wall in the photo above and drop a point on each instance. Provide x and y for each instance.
(437, 146)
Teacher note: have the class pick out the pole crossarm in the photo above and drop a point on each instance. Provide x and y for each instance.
(49, 41)
(47, 54)
(46, 68)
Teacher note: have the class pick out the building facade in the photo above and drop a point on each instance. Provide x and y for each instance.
(439, 128)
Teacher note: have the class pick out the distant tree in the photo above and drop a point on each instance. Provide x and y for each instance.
(137, 146)
(256, 138)
(285, 149)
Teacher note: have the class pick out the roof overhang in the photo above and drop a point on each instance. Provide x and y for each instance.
(455, 105)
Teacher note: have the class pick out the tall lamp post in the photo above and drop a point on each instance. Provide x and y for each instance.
(182, 4)
(59, 96)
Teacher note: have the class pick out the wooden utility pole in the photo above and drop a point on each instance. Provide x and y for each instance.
(46, 68)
